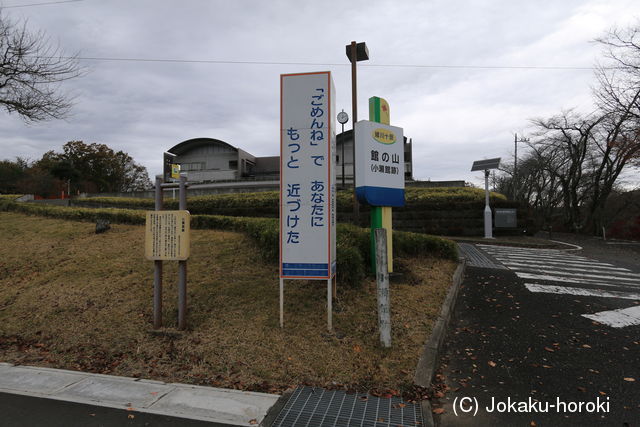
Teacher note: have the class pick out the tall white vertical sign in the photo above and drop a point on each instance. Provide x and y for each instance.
(307, 181)
(307, 176)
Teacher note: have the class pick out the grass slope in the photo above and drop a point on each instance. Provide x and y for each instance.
(75, 300)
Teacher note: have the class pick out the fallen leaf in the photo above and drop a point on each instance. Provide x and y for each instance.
(380, 420)
(630, 379)
(131, 416)
(491, 363)
(533, 424)
(357, 348)
(253, 422)
(602, 393)
(582, 389)
(550, 350)
(586, 346)
(438, 411)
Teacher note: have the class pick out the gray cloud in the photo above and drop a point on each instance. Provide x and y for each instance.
(454, 116)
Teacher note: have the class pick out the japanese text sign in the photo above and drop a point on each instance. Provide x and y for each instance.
(380, 157)
(167, 235)
(307, 176)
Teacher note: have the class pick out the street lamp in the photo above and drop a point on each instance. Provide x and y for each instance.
(486, 165)
(355, 52)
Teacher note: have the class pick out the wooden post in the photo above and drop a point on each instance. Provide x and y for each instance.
(382, 281)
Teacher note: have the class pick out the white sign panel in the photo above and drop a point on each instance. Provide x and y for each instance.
(307, 176)
(380, 157)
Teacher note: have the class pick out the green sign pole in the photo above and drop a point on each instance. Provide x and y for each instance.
(380, 215)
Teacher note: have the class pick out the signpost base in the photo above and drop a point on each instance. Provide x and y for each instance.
(382, 217)
(331, 292)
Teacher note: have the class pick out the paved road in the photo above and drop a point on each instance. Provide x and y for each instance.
(558, 328)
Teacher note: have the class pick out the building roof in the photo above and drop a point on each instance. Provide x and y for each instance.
(190, 144)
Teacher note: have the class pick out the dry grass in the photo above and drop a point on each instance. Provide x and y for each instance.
(76, 300)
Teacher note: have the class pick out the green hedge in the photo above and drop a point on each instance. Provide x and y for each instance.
(267, 203)
(352, 243)
(10, 196)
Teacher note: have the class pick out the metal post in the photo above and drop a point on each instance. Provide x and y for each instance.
(281, 302)
(382, 281)
(354, 109)
(488, 232)
(330, 304)
(182, 265)
(343, 181)
(157, 267)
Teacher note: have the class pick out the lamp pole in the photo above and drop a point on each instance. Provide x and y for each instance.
(342, 119)
(355, 52)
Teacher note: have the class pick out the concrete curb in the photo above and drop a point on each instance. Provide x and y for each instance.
(429, 358)
(223, 406)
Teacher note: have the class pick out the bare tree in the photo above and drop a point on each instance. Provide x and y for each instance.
(31, 70)
(565, 146)
(618, 97)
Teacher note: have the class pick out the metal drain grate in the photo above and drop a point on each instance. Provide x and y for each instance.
(309, 406)
(475, 258)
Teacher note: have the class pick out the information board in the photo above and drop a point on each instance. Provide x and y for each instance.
(167, 235)
(307, 176)
(380, 157)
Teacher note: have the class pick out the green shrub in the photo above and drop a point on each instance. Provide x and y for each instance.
(411, 244)
(352, 243)
(267, 203)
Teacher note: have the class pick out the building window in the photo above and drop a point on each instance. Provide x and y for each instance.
(233, 164)
(191, 166)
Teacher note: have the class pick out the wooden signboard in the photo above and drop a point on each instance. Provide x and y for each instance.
(167, 236)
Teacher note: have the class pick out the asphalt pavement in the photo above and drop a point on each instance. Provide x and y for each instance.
(553, 340)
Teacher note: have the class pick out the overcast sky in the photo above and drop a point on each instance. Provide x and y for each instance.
(426, 59)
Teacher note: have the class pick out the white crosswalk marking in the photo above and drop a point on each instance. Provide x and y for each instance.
(549, 278)
(566, 267)
(550, 289)
(581, 276)
(617, 318)
(573, 275)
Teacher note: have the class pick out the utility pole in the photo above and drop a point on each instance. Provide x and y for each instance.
(515, 164)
